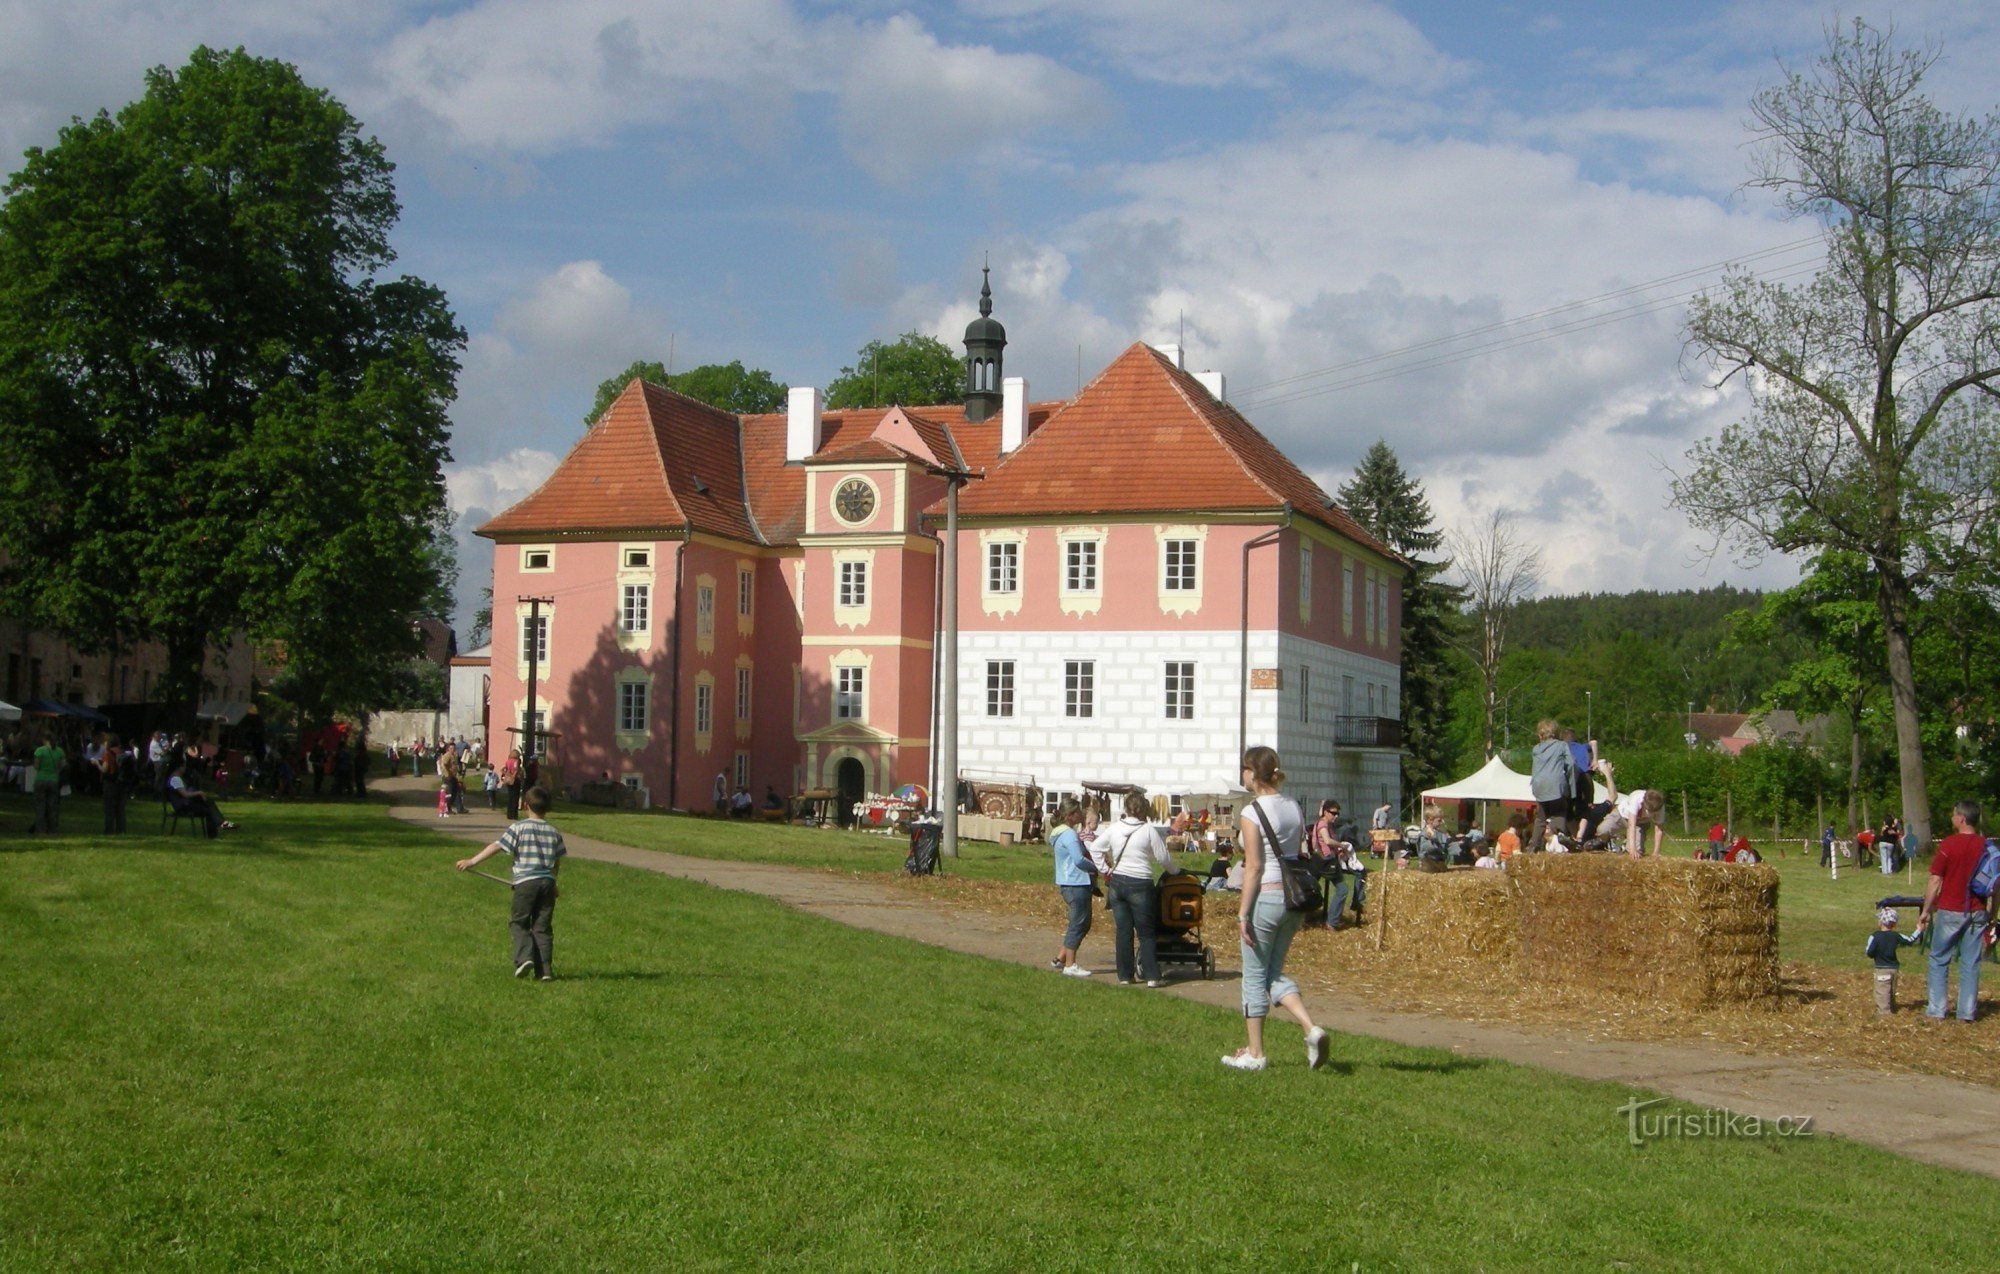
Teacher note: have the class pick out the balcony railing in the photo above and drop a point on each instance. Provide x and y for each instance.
(1367, 732)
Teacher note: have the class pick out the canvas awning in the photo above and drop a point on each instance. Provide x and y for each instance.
(8, 712)
(1494, 781)
(56, 708)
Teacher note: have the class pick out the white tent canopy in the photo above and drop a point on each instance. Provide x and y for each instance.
(8, 712)
(1495, 781)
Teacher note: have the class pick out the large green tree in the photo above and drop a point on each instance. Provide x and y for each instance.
(912, 371)
(1392, 506)
(747, 391)
(220, 415)
(1871, 425)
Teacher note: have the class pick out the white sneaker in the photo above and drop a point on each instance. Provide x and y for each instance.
(1316, 1047)
(1244, 1062)
(1155, 982)
(1076, 971)
(524, 968)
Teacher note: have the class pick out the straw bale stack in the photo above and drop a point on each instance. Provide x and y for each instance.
(1691, 934)
(1456, 922)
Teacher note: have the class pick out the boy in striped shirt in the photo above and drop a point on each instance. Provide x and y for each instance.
(537, 850)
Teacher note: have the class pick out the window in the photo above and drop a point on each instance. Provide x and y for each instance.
(704, 611)
(746, 584)
(742, 694)
(632, 706)
(1368, 615)
(743, 769)
(999, 687)
(1347, 695)
(853, 584)
(535, 639)
(1180, 692)
(635, 613)
(1347, 599)
(1305, 580)
(1305, 693)
(849, 685)
(1080, 566)
(704, 707)
(1052, 800)
(540, 721)
(638, 559)
(1079, 687)
(538, 559)
(1003, 567)
(1180, 566)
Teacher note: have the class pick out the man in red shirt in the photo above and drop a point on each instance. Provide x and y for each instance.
(1718, 835)
(1957, 918)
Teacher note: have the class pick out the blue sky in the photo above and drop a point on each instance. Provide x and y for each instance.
(1303, 185)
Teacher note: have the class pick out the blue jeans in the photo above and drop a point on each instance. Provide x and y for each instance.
(1135, 905)
(1348, 887)
(1078, 898)
(1956, 934)
(1264, 980)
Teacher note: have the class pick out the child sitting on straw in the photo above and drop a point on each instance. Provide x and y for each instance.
(1882, 947)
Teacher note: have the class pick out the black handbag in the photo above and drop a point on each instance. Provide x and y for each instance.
(1301, 886)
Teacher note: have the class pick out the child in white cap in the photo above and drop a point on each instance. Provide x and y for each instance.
(1882, 947)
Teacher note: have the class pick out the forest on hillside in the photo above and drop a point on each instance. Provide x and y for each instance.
(1626, 667)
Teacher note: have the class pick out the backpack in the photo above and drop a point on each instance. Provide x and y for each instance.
(1987, 874)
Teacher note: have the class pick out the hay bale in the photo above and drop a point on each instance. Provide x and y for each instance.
(1455, 922)
(1690, 934)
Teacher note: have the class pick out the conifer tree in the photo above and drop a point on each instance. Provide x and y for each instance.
(1391, 505)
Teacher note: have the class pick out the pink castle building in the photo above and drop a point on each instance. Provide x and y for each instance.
(758, 597)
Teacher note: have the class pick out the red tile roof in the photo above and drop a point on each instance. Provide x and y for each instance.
(657, 460)
(654, 461)
(1164, 444)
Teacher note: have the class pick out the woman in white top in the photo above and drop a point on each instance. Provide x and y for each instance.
(1264, 925)
(1126, 852)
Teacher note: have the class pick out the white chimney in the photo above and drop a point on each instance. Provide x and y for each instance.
(802, 423)
(1013, 413)
(1173, 355)
(1216, 384)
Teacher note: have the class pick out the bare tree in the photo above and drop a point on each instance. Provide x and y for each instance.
(1497, 572)
(1872, 385)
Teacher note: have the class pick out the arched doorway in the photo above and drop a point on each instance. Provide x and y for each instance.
(851, 781)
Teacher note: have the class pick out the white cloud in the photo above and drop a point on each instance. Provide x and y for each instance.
(525, 79)
(478, 492)
(522, 77)
(908, 104)
(1234, 42)
(1323, 250)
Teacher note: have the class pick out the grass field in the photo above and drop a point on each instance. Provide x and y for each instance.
(300, 1046)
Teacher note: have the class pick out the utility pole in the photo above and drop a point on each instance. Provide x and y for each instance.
(536, 644)
(1588, 705)
(944, 751)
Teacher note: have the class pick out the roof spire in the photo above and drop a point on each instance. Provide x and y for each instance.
(986, 289)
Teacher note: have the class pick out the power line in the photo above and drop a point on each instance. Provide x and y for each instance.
(1503, 325)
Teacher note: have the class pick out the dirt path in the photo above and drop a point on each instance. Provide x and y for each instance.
(1929, 1118)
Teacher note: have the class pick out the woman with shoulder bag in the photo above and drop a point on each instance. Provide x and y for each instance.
(1269, 830)
(1126, 854)
(1073, 880)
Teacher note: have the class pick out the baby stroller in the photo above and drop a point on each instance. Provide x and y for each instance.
(1177, 935)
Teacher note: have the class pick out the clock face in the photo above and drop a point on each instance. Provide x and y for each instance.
(854, 500)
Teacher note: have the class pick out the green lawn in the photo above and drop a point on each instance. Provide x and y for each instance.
(301, 1046)
(759, 842)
